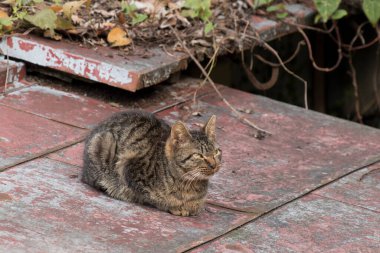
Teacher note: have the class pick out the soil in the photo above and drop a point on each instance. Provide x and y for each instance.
(92, 23)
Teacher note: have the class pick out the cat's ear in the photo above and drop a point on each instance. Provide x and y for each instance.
(209, 128)
(179, 133)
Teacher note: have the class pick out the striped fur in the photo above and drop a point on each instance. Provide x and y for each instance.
(133, 156)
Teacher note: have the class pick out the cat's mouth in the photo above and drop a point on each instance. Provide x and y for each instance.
(210, 171)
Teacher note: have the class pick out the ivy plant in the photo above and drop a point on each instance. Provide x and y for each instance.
(199, 9)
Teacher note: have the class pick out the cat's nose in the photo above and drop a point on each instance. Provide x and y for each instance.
(211, 162)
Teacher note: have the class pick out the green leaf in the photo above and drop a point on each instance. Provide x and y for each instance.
(209, 27)
(317, 18)
(340, 13)
(131, 11)
(138, 18)
(188, 13)
(259, 3)
(371, 9)
(275, 7)
(205, 14)
(6, 21)
(197, 8)
(45, 19)
(326, 8)
(128, 8)
(282, 15)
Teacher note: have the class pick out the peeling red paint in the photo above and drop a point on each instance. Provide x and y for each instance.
(15, 72)
(52, 57)
(94, 64)
(26, 46)
(9, 43)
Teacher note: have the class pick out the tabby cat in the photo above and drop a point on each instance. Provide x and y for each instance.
(134, 156)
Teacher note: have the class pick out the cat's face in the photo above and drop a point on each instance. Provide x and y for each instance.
(196, 153)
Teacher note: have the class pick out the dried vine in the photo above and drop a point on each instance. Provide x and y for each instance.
(261, 133)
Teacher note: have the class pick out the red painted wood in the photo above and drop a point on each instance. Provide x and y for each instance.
(72, 155)
(361, 188)
(59, 105)
(15, 72)
(46, 208)
(306, 150)
(24, 136)
(311, 224)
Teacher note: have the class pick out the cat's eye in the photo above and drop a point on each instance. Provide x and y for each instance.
(198, 156)
(218, 152)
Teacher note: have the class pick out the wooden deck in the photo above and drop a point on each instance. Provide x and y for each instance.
(313, 186)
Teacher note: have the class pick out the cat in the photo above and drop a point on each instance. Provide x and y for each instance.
(136, 157)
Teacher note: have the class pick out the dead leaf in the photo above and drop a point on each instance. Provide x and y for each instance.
(245, 110)
(56, 8)
(147, 6)
(108, 25)
(51, 34)
(117, 37)
(10, 2)
(184, 20)
(63, 23)
(105, 14)
(175, 5)
(198, 114)
(121, 17)
(168, 21)
(4, 16)
(69, 8)
(200, 42)
(73, 31)
(77, 20)
(113, 104)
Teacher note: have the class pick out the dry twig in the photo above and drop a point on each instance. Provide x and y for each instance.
(354, 78)
(275, 53)
(256, 83)
(7, 73)
(261, 133)
(356, 90)
(376, 73)
(272, 64)
(209, 65)
(340, 55)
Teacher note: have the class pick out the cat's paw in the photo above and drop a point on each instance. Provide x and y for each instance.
(179, 212)
(184, 212)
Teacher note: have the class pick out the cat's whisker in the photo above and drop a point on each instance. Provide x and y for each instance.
(187, 174)
(188, 183)
(191, 177)
(194, 176)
